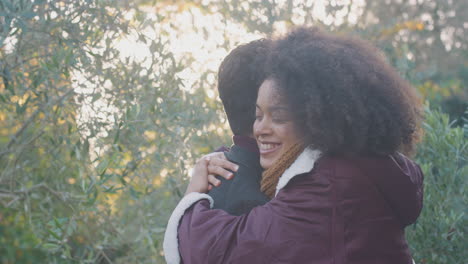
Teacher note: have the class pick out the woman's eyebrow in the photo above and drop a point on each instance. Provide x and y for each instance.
(275, 108)
(278, 108)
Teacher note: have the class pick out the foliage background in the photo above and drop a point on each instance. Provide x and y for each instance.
(103, 109)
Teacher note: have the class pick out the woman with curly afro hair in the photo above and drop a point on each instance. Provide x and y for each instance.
(332, 121)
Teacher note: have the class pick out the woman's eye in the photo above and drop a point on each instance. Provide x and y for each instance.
(258, 117)
(280, 119)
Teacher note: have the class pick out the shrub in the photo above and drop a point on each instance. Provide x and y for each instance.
(439, 236)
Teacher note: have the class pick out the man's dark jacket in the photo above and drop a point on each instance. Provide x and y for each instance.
(240, 194)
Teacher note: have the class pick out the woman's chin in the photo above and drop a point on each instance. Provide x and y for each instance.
(266, 163)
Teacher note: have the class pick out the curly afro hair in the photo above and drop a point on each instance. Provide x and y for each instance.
(239, 77)
(344, 96)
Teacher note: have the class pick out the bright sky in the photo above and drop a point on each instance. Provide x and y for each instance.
(189, 40)
(201, 34)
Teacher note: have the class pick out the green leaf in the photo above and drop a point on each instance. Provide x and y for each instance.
(28, 14)
(92, 198)
(134, 194)
(96, 97)
(117, 134)
(3, 98)
(53, 234)
(50, 246)
(102, 167)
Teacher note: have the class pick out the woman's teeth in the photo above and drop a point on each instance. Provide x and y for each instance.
(267, 146)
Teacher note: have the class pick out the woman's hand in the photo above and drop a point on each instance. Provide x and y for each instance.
(203, 178)
(219, 165)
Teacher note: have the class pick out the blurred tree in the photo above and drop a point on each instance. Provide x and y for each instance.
(83, 127)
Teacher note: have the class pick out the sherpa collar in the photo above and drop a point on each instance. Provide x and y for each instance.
(304, 163)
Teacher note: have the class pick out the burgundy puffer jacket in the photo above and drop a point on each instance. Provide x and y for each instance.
(328, 210)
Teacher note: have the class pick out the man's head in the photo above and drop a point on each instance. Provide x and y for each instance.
(240, 75)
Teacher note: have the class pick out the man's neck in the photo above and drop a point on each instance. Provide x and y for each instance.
(246, 142)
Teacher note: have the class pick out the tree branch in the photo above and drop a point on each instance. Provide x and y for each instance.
(21, 193)
(28, 122)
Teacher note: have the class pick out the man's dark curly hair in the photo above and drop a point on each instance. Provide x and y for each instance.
(240, 75)
(344, 96)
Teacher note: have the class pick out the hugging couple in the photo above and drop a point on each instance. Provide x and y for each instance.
(316, 173)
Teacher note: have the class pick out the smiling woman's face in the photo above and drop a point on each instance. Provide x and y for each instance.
(274, 129)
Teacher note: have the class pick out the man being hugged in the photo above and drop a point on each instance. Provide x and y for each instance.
(240, 75)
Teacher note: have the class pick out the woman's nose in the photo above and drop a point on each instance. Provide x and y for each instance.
(262, 127)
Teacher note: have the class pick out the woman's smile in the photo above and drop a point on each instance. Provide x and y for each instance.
(268, 148)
